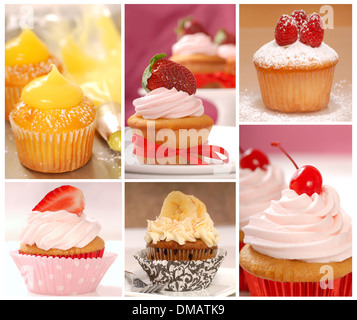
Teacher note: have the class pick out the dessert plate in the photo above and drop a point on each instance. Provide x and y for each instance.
(223, 99)
(223, 285)
(222, 136)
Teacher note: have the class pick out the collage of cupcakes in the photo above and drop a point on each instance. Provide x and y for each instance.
(125, 124)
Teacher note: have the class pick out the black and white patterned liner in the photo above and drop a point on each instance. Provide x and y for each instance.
(181, 275)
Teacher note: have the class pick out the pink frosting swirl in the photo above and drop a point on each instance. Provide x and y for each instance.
(197, 43)
(311, 229)
(59, 230)
(168, 104)
(227, 51)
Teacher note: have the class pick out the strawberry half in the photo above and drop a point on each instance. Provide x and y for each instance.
(66, 198)
(189, 25)
(168, 74)
(224, 37)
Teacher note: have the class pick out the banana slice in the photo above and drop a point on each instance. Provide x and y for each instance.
(180, 206)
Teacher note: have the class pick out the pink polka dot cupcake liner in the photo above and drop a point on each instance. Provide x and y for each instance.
(61, 276)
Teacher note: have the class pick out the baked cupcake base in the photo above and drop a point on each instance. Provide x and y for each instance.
(267, 276)
(295, 90)
(171, 250)
(171, 134)
(199, 63)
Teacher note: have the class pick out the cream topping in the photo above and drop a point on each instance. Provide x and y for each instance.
(311, 229)
(197, 43)
(59, 230)
(295, 55)
(227, 51)
(256, 189)
(187, 230)
(168, 104)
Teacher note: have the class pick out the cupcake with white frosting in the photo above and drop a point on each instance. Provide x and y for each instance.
(300, 246)
(60, 248)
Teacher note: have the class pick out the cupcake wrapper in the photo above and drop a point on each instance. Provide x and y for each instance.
(296, 91)
(61, 276)
(88, 255)
(341, 287)
(181, 275)
(176, 254)
(46, 152)
(243, 286)
(12, 96)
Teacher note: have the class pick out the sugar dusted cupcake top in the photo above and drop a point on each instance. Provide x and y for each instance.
(183, 218)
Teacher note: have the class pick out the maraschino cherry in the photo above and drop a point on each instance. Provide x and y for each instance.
(252, 159)
(307, 179)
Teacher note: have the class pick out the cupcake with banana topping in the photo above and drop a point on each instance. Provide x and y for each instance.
(182, 242)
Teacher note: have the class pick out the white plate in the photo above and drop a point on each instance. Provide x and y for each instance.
(224, 137)
(223, 285)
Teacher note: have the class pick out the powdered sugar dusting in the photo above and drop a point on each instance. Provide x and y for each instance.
(339, 109)
(293, 56)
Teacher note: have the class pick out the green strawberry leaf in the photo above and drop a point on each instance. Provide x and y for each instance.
(220, 37)
(147, 72)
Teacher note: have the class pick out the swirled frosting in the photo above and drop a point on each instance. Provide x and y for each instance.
(293, 56)
(187, 230)
(59, 230)
(168, 104)
(256, 189)
(197, 43)
(311, 229)
(227, 51)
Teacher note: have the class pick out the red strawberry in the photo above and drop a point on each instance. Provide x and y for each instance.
(189, 26)
(286, 31)
(66, 198)
(168, 74)
(224, 37)
(299, 17)
(312, 32)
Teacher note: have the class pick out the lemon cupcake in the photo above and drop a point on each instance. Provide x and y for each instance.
(53, 125)
(26, 58)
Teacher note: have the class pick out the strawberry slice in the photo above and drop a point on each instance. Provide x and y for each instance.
(66, 198)
(168, 74)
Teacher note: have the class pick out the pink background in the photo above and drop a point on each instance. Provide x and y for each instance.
(150, 29)
(336, 139)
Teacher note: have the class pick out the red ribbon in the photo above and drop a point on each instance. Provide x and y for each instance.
(148, 149)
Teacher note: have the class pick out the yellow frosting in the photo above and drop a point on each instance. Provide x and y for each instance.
(25, 49)
(52, 91)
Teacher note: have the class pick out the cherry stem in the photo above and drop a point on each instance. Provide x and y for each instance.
(277, 144)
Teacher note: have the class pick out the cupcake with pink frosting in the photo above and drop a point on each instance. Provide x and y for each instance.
(169, 121)
(300, 246)
(60, 251)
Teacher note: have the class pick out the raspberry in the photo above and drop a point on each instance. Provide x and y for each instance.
(312, 32)
(286, 31)
(299, 17)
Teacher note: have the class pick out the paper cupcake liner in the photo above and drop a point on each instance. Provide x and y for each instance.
(12, 96)
(243, 285)
(341, 287)
(54, 153)
(178, 254)
(88, 255)
(181, 275)
(61, 276)
(295, 91)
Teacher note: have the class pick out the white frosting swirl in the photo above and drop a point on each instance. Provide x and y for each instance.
(311, 229)
(256, 189)
(168, 104)
(197, 43)
(227, 51)
(59, 230)
(296, 55)
(187, 230)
